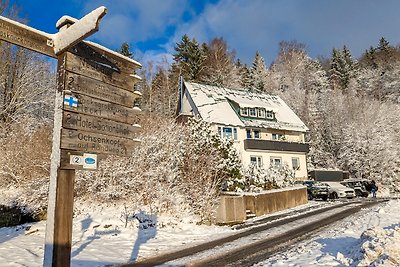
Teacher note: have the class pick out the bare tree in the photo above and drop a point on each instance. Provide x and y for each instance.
(26, 85)
(220, 67)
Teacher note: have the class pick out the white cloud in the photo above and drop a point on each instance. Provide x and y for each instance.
(154, 58)
(136, 21)
(248, 26)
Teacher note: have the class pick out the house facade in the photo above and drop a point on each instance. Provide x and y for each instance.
(264, 128)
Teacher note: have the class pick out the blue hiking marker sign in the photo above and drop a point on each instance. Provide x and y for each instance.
(89, 161)
(70, 101)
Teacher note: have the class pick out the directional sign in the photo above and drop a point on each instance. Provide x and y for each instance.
(102, 109)
(96, 143)
(50, 44)
(78, 31)
(94, 88)
(93, 124)
(105, 70)
(83, 139)
(19, 34)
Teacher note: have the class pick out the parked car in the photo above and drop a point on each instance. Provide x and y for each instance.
(315, 189)
(359, 186)
(337, 190)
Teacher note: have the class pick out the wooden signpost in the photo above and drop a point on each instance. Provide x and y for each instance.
(94, 114)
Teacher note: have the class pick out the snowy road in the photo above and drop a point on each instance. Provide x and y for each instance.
(254, 245)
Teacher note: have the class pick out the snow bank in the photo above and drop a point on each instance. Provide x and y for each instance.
(380, 247)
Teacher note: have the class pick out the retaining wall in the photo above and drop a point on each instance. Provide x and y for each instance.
(232, 208)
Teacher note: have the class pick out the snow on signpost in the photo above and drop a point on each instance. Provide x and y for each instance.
(94, 113)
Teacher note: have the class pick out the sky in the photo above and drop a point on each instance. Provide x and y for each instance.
(153, 27)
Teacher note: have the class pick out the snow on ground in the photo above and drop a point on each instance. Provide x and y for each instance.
(101, 238)
(369, 238)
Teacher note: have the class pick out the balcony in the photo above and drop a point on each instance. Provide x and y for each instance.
(259, 144)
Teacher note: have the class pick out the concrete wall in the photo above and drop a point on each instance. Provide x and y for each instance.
(269, 202)
(232, 208)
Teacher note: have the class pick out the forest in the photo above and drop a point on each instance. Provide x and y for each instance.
(351, 106)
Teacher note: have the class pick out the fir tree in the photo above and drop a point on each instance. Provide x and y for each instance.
(258, 73)
(190, 58)
(342, 68)
(244, 75)
(383, 45)
(125, 50)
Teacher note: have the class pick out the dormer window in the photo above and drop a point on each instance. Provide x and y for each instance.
(252, 112)
(257, 112)
(261, 113)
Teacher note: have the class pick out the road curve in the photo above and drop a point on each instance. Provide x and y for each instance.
(259, 250)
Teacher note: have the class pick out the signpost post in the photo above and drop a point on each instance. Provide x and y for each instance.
(94, 113)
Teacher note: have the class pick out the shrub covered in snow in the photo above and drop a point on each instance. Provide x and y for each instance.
(256, 178)
(171, 171)
(24, 164)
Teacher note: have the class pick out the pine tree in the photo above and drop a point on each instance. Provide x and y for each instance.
(383, 45)
(190, 58)
(125, 50)
(342, 68)
(258, 73)
(244, 75)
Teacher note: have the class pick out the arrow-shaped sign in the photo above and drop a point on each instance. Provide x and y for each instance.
(54, 44)
(78, 31)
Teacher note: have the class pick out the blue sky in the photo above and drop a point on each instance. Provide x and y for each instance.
(153, 27)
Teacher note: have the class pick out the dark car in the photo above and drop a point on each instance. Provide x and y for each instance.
(315, 189)
(359, 186)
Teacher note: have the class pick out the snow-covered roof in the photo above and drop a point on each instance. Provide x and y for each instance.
(214, 105)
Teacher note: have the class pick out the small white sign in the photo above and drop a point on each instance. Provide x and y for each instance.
(75, 160)
(89, 161)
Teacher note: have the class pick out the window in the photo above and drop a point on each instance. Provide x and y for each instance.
(248, 133)
(252, 112)
(270, 114)
(261, 113)
(296, 164)
(276, 161)
(228, 132)
(257, 112)
(276, 136)
(256, 134)
(256, 160)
